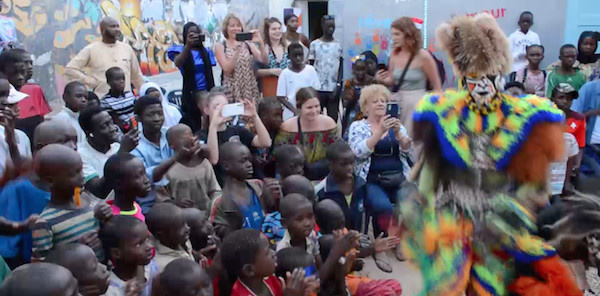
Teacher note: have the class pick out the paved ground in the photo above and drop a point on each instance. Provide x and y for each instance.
(409, 277)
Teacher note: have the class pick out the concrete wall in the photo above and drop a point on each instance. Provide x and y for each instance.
(55, 30)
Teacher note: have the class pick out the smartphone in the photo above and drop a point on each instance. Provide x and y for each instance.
(243, 36)
(381, 67)
(393, 109)
(231, 110)
(201, 38)
(129, 126)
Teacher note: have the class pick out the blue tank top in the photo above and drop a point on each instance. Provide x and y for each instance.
(253, 213)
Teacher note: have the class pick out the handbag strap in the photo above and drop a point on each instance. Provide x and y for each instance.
(398, 84)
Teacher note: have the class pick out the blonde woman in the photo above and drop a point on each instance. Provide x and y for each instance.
(236, 58)
(381, 146)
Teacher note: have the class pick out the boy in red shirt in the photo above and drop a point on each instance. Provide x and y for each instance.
(563, 95)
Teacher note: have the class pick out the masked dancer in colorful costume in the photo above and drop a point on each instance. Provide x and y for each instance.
(486, 157)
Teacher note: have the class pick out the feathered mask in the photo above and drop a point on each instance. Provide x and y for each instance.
(476, 45)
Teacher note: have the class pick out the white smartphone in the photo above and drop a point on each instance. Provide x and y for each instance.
(231, 110)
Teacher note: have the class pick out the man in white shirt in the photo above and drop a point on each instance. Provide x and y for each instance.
(14, 144)
(325, 54)
(520, 39)
(299, 75)
(75, 97)
(102, 135)
(103, 55)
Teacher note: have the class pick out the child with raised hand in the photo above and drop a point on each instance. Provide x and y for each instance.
(192, 180)
(331, 219)
(219, 132)
(290, 259)
(126, 175)
(298, 218)
(118, 102)
(270, 112)
(250, 263)
(39, 279)
(244, 202)
(71, 215)
(92, 277)
(126, 240)
(183, 277)
(171, 234)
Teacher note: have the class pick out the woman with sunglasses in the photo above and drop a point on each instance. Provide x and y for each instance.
(381, 145)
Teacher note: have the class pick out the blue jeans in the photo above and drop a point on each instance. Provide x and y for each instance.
(591, 158)
(380, 205)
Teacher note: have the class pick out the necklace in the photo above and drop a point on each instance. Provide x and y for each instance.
(485, 108)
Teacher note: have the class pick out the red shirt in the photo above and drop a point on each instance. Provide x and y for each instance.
(35, 104)
(272, 282)
(576, 127)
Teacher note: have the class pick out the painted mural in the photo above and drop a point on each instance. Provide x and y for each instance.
(55, 30)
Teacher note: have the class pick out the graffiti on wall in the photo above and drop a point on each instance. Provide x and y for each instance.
(54, 31)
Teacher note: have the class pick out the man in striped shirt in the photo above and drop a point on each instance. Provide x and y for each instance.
(118, 102)
(68, 217)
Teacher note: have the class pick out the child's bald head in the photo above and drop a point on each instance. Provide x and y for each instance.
(54, 132)
(60, 166)
(39, 279)
(329, 216)
(298, 184)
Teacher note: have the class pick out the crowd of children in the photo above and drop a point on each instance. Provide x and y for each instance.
(120, 198)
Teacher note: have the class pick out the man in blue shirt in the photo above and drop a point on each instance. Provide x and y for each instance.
(153, 149)
(588, 104)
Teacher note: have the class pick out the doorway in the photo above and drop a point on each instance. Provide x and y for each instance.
(316, 11)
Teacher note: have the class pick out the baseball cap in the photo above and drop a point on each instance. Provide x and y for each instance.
(566, 88)
(15, 96)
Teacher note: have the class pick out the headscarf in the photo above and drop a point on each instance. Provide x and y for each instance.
(587, 59)
(172, 114)
(189, 106)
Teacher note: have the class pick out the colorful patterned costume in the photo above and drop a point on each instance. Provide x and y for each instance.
(485, 159)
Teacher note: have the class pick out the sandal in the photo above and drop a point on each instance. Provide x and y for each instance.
(382, 264)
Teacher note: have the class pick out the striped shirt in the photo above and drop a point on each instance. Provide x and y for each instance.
(121, 107)
(57, 226)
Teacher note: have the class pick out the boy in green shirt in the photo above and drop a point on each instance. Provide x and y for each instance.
(566, 73)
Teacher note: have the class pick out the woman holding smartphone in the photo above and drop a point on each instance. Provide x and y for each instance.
(195, 63)
(278, 56)
(236, 57)
(381, 146)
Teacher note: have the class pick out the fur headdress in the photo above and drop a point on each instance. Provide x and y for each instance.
(476, 45)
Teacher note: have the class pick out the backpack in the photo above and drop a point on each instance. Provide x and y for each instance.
(441, 71)
(513, 76)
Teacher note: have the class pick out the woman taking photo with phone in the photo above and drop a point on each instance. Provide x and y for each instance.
(278, 57)
(381, 145)
(236, 57)
(311, 130)
(195, 63)
(409, 69)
